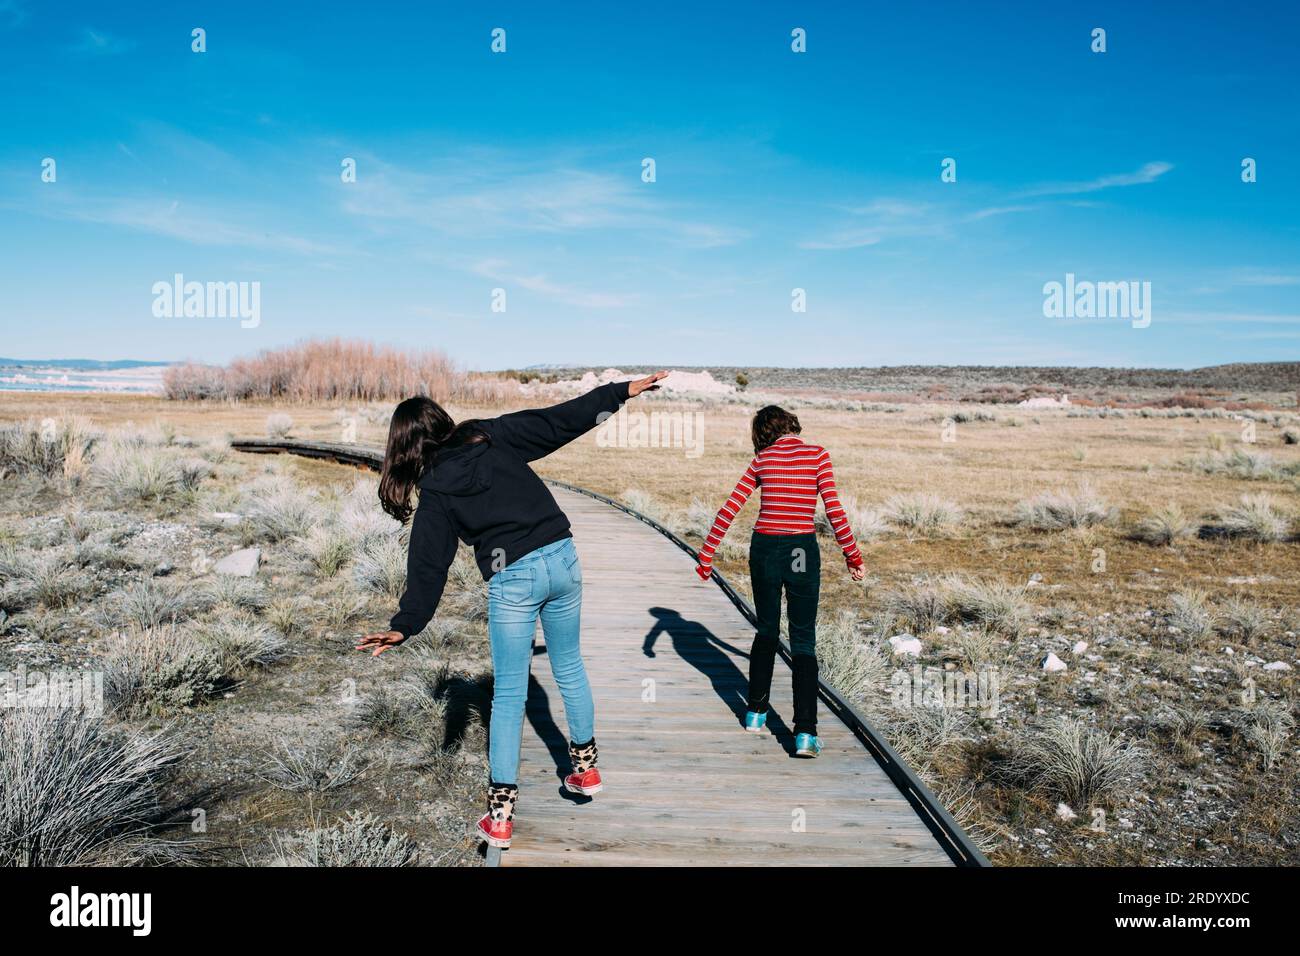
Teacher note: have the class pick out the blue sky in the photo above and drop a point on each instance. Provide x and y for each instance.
(775, 170)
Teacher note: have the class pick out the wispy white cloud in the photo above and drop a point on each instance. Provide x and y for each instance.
(499, 270)
(1234, 317)
(485, 195)
(989, 211)
(1147, 173)
(185, 221)
(879, 220)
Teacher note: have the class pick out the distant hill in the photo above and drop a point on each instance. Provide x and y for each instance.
(81, 365)
(1240, 377)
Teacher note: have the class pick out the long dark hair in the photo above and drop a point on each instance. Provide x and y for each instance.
(770, 423)
(419, 430)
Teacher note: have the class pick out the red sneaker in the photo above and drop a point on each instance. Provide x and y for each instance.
(497, 825)
(495, 832)
(585, 783)
(585, 778)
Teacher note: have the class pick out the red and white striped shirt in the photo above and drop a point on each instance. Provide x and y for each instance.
(792, 474)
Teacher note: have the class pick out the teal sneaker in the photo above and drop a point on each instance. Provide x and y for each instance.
(807, 745)
(755, 723)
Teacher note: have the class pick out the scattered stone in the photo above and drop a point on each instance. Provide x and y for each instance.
(942, 630)
(1053, 664)
(1064, 813)
(905, 645)
(1035, 578)
(1277, 666)
(241, 564)
(227, 517)
(164, 569)
(1079, 648)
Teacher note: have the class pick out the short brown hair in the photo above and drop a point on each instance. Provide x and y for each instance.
(770, 423)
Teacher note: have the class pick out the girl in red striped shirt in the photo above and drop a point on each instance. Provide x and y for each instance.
(783, 555)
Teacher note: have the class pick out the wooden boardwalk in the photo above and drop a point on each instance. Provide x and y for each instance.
(666, 653)
(684, 785)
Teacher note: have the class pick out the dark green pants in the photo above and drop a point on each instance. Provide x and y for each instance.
(789, 562)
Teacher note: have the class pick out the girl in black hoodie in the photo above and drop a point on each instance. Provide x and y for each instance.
(476, 486)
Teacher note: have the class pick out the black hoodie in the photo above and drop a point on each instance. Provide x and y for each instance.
(486, 495)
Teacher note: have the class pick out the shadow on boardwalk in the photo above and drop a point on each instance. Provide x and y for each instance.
(711, 656)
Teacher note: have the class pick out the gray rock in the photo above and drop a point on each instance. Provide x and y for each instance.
(905, 645)
(1053, 664)
(241, 564)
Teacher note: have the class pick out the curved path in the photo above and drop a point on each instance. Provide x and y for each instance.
(684, 784)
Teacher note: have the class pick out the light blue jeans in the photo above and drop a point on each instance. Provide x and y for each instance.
(546, 583)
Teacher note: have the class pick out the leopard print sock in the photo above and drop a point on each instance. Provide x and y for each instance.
(583, 756)
(501, 799)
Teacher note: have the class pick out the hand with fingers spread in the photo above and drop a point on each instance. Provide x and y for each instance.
(381, 641)
(646, 384)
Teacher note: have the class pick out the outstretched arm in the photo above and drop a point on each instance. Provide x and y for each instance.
(432, 549)
(839, 521)
(726, 514)
(536, 432)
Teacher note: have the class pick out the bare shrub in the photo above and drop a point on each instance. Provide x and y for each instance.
(47, 450)
(127, 473)
(149, 604)
(1191, 613)
(360, 840)
(922, 735)
(1269, 731)
(328, 548)
(333, 370)
(1243, 464)
(74, 792)
(278, 425)
(993, 605)
(1255, 518)
(1071, 761)
(381, 567)
(847, 663)
(314, 768)
(1164, 526)
(1243, 619)
(923, 513)
(362, 519)
(921, 606)
(241, 642)
(954, 600)
(160, 670)
(277, 509)
(49, 580)
(1060, 510)
(244, 594)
